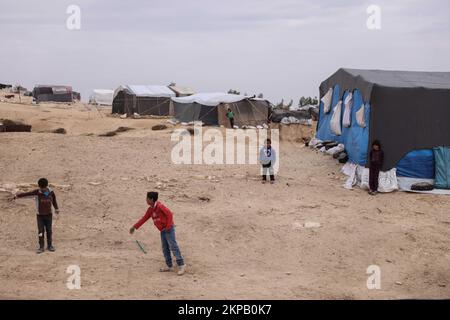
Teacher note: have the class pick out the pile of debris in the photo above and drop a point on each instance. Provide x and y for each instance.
(115, 132)
(303, 115)
(7, 125)
(333, 148)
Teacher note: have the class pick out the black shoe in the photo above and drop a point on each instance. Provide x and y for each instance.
(51, 249)
(40, 250)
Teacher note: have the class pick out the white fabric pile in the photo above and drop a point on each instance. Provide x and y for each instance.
(294, 120)
(339, 148)
(314, 142)
(173, 121)
(359, 175)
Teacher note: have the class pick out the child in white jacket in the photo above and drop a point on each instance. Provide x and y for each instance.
(267, 158)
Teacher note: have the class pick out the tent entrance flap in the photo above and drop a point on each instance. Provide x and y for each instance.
(442, 160)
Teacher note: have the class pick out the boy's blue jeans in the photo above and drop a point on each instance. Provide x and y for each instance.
(169, 244)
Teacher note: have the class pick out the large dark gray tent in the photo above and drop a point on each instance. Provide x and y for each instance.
(142, 99)
(406, 111)
(53, 93)
(211, 109)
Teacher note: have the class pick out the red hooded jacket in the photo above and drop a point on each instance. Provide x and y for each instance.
(161, 215)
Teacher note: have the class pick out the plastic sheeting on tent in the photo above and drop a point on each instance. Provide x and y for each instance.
(143, 99)
(151, 91)
(182, 91)
(54, 93)
(102, 97)
(355, 138)
(417, 164)
(211, 98)
(409, 110)
(211, 108)
(442, 160)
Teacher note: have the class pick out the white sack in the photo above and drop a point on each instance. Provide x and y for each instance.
(314, 142)
(387, 181)
(339, 148)
(349, 169)
(360, 117)
(335, 122)
(348, 102)
(326, 100)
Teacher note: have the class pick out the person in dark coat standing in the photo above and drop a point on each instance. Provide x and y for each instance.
(376, 157)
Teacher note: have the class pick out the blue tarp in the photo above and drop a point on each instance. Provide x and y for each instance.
(417, 164)
(442, 159)
(355, 138)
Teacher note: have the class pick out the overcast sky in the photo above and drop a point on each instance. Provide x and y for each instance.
(282, 48)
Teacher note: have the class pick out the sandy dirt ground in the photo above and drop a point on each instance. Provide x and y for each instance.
(246, 242)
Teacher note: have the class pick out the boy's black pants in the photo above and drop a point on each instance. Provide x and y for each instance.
(44, 223)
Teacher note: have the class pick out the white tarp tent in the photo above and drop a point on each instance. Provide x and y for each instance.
(212, 98)
(102, 97)
(147, 90)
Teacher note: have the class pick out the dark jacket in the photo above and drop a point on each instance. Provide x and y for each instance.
(44, 200)
(376, 158)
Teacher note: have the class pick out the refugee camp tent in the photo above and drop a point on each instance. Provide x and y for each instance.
(306, 113)
(409, 112)
(5, 86)
(103, 97)
(182, 91)
(55, 93)
(211, 109)
(142, 99)
(76, 95)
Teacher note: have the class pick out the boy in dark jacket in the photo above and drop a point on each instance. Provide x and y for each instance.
(45, 199)
(163, 220)
(376, 158)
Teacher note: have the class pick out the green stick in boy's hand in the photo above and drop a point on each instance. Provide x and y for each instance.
(141, 247)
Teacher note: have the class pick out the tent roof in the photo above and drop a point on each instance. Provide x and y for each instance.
(403, 79)
(58, 88)
(365, 80)
(103, 91)
(148, 90)
(212, 98)
(182, 90)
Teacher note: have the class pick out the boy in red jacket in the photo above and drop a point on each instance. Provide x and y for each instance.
(163, 220)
